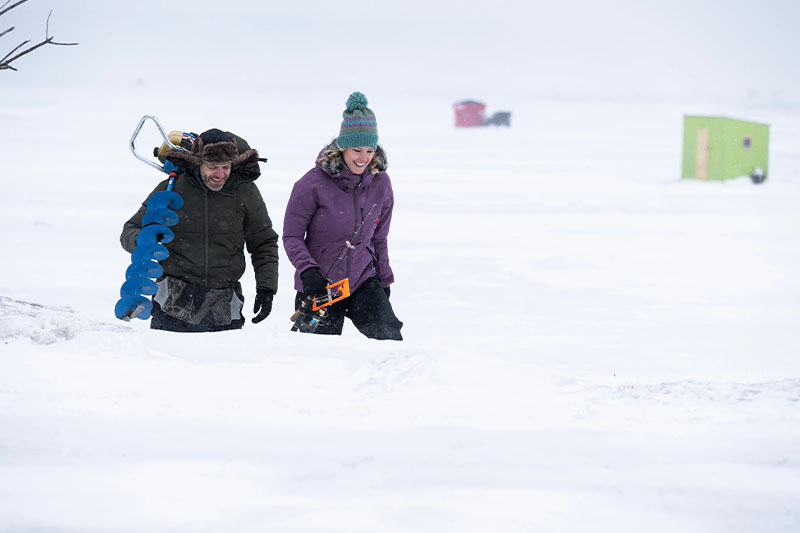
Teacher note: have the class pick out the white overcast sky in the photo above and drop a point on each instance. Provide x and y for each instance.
(670, 48)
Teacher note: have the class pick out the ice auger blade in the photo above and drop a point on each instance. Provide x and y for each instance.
(149, 249)
(133, 306)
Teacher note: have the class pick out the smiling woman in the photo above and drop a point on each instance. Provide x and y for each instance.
(337, 223)
(357, 158)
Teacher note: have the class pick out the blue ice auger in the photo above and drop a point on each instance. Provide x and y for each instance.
(160, 214)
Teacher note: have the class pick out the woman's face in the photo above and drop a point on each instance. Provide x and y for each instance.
(358, 158)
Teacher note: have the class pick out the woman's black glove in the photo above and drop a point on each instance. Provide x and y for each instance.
(263, 304)
(313, 282)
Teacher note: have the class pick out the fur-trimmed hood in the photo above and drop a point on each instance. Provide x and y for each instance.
(214, 146)
(333, 165)
(224, 146)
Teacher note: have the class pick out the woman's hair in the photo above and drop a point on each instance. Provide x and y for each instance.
(333, 151)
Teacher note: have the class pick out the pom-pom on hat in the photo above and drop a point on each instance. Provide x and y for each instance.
(359, 127)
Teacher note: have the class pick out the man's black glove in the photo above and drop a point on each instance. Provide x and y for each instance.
(313, 282)
(263, 304)
(387, 290)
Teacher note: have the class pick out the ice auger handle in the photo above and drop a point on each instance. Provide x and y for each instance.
(163, 135)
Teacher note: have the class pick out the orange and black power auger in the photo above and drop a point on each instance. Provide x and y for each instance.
(312, 313)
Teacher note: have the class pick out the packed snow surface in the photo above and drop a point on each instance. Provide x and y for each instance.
(591, 343)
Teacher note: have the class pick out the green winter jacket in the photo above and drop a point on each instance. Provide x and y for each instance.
(213, 230)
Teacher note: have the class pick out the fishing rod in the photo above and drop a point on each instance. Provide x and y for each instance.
(334, 292)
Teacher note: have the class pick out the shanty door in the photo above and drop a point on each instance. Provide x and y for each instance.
(701, 161)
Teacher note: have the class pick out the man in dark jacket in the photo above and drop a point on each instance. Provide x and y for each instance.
(223, 212)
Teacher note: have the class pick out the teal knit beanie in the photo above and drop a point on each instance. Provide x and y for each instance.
(359, 127)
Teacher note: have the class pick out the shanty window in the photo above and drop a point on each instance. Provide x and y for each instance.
(746, 142)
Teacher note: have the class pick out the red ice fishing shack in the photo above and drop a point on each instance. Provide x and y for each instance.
(469, 113)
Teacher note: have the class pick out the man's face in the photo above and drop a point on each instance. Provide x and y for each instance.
(215, 174)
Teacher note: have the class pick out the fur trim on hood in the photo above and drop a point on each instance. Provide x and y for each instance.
(332, 161)
(213, 152)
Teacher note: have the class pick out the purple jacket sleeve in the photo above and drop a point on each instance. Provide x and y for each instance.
(301, 207)
(380, 240)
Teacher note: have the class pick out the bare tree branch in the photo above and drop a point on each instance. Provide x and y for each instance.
(5, 63)
(9, 8)
(47, 33)
(14, 50)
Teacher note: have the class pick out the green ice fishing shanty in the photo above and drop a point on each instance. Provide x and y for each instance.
(719, 148)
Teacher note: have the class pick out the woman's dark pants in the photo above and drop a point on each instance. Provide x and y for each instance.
(369, 309)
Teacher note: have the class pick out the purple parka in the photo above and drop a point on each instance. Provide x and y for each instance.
(326, 206)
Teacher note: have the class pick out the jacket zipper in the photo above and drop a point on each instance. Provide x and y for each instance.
(205, 233)
(355, 226)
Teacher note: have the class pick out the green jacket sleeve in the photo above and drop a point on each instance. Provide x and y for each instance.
(130, 230)
(261, 239)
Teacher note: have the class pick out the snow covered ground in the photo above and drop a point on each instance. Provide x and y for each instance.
(591, 343)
